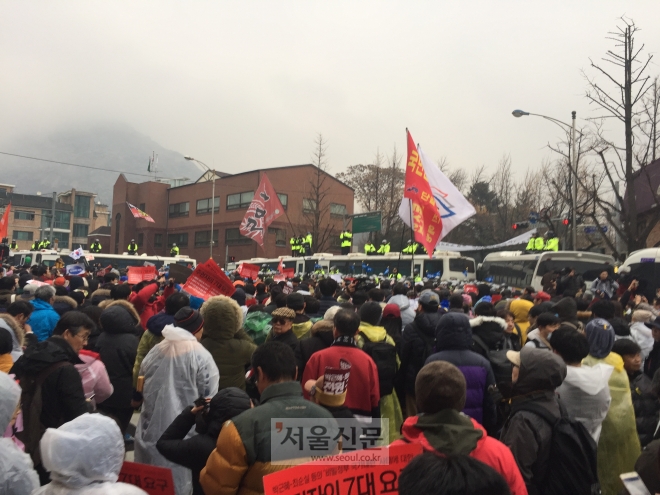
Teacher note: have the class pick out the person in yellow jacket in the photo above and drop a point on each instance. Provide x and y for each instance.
(552, 242)
(346, 238)
(307, 244)
(294, 246)
(520, 309)
(369, 248)
(384, 247)
(174, 251)
(411, 248)
(371, 331)
(531, 245)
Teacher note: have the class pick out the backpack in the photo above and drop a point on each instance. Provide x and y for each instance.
(384, 355)
(572, 464)
(500, 365)
(31, 406)
(429, 344)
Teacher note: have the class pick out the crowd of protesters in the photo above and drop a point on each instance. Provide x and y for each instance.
(492, 382)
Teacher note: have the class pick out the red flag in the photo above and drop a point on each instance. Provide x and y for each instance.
(427, 223)
(265, 208)
(280, 266)
(138, 213)
(4, 223)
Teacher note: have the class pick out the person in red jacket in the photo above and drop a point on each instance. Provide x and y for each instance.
(141, 300)
(363, 396)
(441, 428)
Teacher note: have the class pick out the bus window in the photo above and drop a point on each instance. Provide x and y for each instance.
(461, 265)
(516, 273)
(587, 270)
(38, 259)
(647, 275)
(434, 268)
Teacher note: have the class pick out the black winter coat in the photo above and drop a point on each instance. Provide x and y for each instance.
(321, 338)
(490, 329)
(62, 392)
(117, 346)
(652, 363)
(646, 405)
(325, 303)
(415, 348)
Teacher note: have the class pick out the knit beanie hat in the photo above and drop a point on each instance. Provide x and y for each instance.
(189, 319)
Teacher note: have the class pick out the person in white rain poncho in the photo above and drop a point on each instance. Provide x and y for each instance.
(84, 457)
(176, 372)
(17, 476)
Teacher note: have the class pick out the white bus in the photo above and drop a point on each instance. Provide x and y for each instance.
(444, 265)
(48, 256)
(643, 265)
(519, 270)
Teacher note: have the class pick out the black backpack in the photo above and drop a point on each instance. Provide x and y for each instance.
(429, 343)
(384, 355)
(572, 466)
(500, 365)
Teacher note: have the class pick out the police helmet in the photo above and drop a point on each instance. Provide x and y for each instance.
(384, 241)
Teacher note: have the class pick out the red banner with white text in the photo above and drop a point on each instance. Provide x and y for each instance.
(265, 208)
(209, 280)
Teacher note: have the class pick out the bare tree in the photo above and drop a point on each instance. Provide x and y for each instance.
(316, 209)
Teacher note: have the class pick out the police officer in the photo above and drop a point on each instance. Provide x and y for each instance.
(36, 245)
(13, 246)
(175, 250)
(540, 243)
(369, 248)
(45, 244)
(95, 247)
(346, 238)
(411, 248)
(531, 245)
(384, 247)
(394, 274)
(132, 248)
(307, 244)
(334, 270)
(294, 245)
(417, 278)
(552, 242)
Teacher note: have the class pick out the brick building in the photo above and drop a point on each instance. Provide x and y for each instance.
(183, 214)
(76, 214)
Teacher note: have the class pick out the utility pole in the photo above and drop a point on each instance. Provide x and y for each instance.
(52, 218)
(575, 181)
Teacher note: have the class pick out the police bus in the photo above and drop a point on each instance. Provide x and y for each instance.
(120, 261)
(518, 269)
(644, 265)
(444, 265)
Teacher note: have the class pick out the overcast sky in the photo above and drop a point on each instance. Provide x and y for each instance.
(248, 84)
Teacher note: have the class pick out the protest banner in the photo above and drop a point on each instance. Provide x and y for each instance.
(179, 273)
(315, 478)
(152, 479)
(279, 278)
(137, 274)
(247, 270)
(209, 280)
(75, 270)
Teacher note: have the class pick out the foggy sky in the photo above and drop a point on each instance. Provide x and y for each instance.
(248, 84)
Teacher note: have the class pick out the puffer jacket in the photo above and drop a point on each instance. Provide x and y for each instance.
(302, 326)
(646, 404)
(453, 341)
(117, 345)
(62, 304)
(321, 337)
(418, 343)
(449, 432)
(325, 303)
(230, 346)
(243, 452)
(43, 319)
(407, 313)
(151, 337)
(94, 376)
(490, 329)
(528, 435)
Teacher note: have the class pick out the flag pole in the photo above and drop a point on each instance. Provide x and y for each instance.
(412, 242)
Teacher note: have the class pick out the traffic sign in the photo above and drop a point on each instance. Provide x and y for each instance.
(367, 222)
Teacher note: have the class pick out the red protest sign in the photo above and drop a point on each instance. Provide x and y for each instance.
(247, 270)
(209, 280)
(137, 274)
(339, 478)
(154, 480)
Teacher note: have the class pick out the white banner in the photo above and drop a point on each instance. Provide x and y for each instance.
(454, 209)
(518, 240)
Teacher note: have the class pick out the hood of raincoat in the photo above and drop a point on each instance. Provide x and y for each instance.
(540, 370)
(520, 309)
(87, 450)
(157, 322)
(223, 317)
(17, 334)
(10, 393)
(566, 309)
(226, 404)
(400, 300)
(373, 332)
(590, 379)
(117, 320)
(453, 332)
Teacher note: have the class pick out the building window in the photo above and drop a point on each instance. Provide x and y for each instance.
(181, 240)
(81, 207)
(179, 210)
(284, 199)
(309, 205)
(204, 205)
(158, 240)
(140, 240)
(239, 200)
(62, 240)
(280, 236)
(23, 215)
(203, 238)
(337, 210)
(21, 235)
(233, 236)
(62, 219)
(80, 230)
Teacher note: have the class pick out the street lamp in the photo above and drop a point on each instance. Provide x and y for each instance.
(572, 166)
(206, 168)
